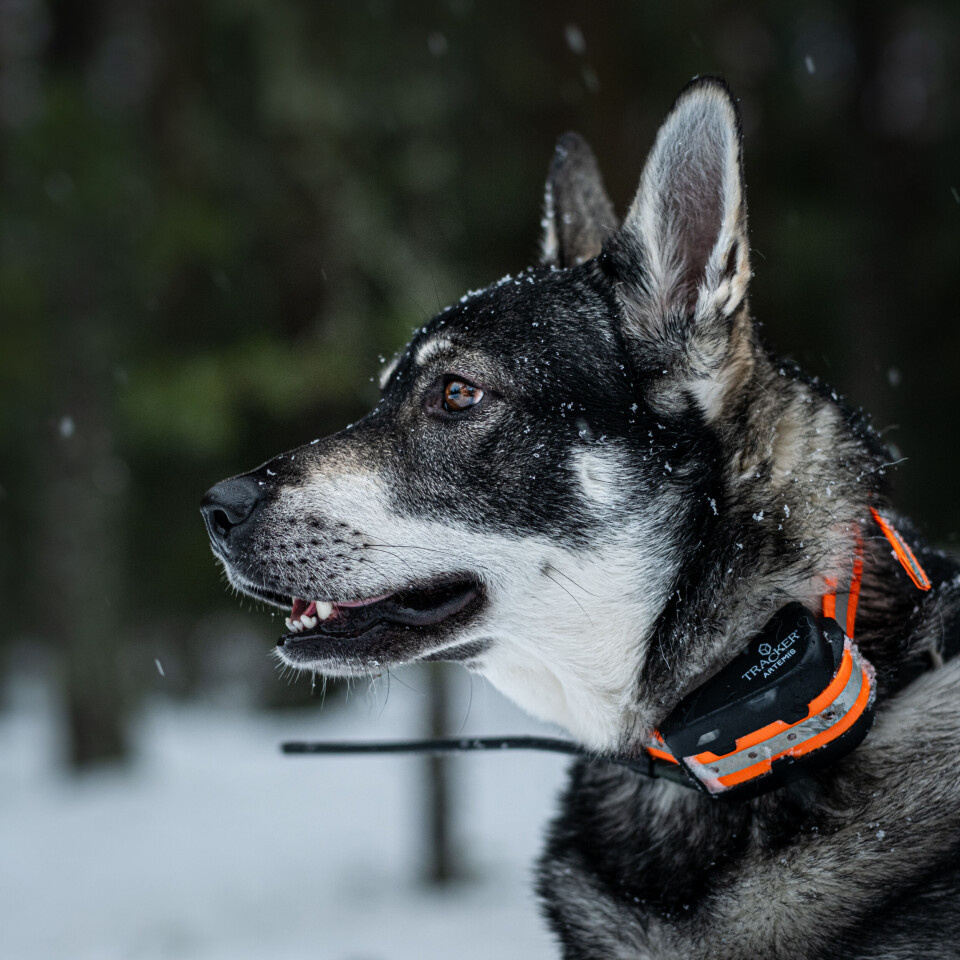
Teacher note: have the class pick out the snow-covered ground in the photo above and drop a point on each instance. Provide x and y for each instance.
(213, 845)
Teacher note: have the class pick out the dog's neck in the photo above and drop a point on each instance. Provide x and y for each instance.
(719, 602)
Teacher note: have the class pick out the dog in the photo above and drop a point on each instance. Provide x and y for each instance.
(592, 484)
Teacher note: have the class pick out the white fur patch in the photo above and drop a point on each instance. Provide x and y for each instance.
(387, 370)
(427, 351)
(599, 471)
(568, 628)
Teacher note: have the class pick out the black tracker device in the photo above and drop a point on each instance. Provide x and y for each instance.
(788, 703)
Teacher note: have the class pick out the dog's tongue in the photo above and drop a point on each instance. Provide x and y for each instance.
(302, 608)
(414, 609)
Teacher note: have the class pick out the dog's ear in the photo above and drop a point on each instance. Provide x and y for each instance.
(682, 259)
(578, 215)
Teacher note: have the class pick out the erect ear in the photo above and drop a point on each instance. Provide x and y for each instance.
(682, 255)
(578, 215)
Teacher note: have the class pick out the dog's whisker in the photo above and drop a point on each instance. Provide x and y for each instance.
(383, 680)
(466, 712)
(403, 683)
(571, 596)
(389, 553)
(579, 586)
(405, 546)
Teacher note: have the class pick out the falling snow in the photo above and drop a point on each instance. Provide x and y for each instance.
(574, 37)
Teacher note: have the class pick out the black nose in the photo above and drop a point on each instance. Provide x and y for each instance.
(228, 506)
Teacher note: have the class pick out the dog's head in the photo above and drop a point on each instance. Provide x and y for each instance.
(544, 455)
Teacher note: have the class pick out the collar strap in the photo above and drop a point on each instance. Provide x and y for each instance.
(902, 552)
(800, 695)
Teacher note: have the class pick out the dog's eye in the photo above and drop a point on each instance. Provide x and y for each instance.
(452, 398)
(458, 395)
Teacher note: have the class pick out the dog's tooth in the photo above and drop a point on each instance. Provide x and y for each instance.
(289, 624)
(309, 622)
(297, 626)
(324, 609)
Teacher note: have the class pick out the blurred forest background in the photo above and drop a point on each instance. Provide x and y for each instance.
(217, 215)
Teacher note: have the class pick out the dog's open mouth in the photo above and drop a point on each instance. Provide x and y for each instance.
(422, 606)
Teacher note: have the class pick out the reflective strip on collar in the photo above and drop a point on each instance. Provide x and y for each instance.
(841, 605)
(903, 553)
(658, 749)
(832, 714)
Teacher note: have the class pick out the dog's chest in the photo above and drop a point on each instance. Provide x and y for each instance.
(642, 870)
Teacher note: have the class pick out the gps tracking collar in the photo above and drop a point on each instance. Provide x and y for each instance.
(798, 697)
